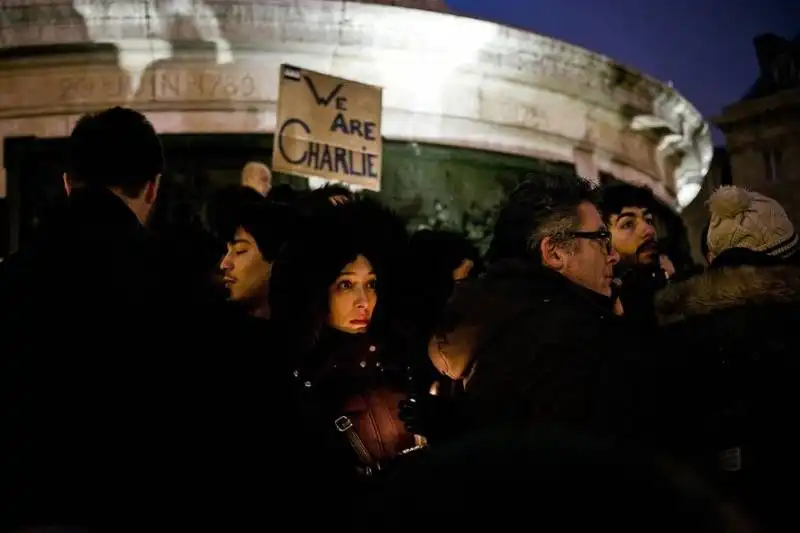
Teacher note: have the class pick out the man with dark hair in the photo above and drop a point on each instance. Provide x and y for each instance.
(551, 221)
(544, 220)
(118, 150)
(81, 307)
(255, 237)
(108, 405)
(628, 211)
(542, 319)
(96, 236)
(93, 246)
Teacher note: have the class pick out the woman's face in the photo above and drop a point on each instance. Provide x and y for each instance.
(352, 297)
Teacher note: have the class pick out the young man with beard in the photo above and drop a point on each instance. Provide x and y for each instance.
(628, 212)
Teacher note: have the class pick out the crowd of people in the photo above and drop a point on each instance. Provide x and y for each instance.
(323, 364)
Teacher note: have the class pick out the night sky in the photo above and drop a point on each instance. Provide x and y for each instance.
(703, 46)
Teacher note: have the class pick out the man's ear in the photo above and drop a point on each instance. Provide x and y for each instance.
(151, 190)
(67, 183)
(552, 255)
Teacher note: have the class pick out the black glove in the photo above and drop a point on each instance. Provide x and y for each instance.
(433, 417)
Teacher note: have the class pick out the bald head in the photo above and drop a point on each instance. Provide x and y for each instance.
(257, 176)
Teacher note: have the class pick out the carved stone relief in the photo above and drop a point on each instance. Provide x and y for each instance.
(684, 134)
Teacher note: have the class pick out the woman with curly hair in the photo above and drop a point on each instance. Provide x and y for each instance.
(334, 300)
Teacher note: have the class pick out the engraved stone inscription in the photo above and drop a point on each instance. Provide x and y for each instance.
(159, 85)
(96, 86)
(203, 85)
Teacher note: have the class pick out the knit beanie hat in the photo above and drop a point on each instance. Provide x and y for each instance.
(746, 219)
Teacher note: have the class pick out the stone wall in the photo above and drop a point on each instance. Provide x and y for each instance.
(762, 129)
(451, 81)
(448, 81)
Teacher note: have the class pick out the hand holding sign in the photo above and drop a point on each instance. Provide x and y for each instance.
(328, 128)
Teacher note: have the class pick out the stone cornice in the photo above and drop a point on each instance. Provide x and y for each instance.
(343, 29)
(458, 80)
(747, 109)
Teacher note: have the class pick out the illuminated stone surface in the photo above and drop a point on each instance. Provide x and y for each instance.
(212, 67)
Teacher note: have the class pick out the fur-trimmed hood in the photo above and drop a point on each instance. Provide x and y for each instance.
(726, 288)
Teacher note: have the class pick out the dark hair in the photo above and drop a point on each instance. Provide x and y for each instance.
(324, 243)
(616, 197)
(447, 248)
(283, 193)
(438, 253)
(544, 207)
(224, 209)
(269, 223)
(117, 147)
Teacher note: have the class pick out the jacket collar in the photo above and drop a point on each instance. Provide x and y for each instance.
(728, 287)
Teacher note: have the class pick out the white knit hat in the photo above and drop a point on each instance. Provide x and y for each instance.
(746, 219)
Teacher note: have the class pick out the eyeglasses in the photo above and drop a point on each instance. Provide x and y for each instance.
(601, 236)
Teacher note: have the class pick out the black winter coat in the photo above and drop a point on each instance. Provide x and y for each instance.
(550, 353)
(734, 331)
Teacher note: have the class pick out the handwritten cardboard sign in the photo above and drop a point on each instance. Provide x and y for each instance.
(328, 128)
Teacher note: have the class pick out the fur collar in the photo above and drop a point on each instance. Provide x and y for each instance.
(728, 287)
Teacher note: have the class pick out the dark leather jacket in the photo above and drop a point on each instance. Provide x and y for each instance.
(348, 375)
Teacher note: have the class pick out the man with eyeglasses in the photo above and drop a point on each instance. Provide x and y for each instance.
(546, 347)
(554, 222)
